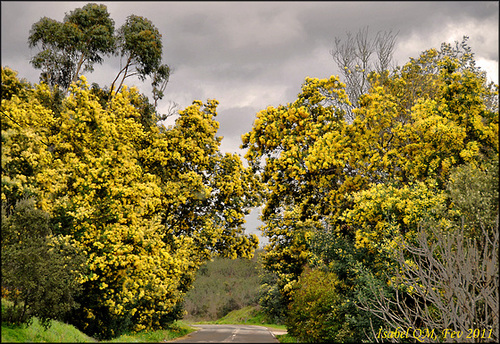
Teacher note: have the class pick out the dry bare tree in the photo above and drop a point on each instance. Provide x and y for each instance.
(446, 281)
(359, 55)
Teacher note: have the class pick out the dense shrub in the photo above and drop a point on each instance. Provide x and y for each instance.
(272, 302)
(39, 271)
(321, 312)
(311, 316)
(448, 277)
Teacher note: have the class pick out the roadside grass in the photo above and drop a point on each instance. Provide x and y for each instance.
(35, 332)
(63, 333)
(60, 332)
(177, 329)
(286, 338)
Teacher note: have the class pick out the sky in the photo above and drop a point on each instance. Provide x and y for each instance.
(250, 55)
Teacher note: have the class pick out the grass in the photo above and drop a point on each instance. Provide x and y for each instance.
(60, 332)
(286, 338)
(57, 332)
(177, 329)
(64, 333)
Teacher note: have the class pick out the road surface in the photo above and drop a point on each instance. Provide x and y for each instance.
(228, 334)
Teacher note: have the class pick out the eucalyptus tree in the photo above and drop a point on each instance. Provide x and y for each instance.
(86, 36)
(73, 46)
(139, 42)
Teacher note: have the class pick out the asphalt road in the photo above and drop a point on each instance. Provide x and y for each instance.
(228, 334)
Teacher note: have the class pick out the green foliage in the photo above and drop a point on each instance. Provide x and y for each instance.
(58, 332)
(40, 272)
(312, 316)
(286, 338)
(273, 303)
(447, 277)
(139, 41)
(286, 254)
(84, 36)
(323, 310)
(338, 255)
(474, 193)
(173, 331)
(159, 83)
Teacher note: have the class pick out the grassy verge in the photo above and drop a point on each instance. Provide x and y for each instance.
(59, 332)
(177, 329)
(64, 333)
(286, 338)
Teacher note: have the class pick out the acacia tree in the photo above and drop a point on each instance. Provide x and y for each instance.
(147, 205)
(410, 130)
(447, 278)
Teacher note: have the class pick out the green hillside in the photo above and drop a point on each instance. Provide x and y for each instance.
(221, 286)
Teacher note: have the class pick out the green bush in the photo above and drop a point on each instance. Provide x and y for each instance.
(272, 302)
(39, 271)
(312, 315)
(447, 278)
(474, 192)
(323, 310)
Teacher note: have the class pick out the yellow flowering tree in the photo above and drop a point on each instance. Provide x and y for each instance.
(363, 185)
(147, 205)
(278, 146)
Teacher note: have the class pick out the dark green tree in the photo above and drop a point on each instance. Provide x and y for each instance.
(159, 83)
(85, 37)
(39, 271)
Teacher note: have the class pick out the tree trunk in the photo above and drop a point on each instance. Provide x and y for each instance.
(124, 69)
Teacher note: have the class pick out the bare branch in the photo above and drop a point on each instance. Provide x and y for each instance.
(355, 60)
(451, 282)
